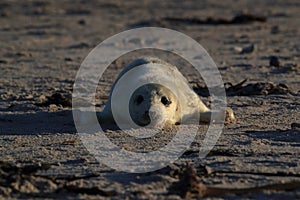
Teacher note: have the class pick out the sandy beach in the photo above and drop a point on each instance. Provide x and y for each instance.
(256, 47)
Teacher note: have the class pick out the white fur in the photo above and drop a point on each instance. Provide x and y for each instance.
(157, 71)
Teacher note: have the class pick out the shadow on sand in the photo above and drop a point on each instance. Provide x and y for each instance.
(37, 123)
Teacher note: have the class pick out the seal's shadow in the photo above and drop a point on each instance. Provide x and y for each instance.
(37, 123)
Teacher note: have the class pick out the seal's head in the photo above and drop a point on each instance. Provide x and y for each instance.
(154, 105)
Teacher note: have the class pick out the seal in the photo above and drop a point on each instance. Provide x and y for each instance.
(166, 98)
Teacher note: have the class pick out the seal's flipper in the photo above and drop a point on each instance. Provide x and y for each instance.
(229, 116)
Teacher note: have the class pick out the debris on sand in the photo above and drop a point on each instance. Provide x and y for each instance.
(87, 191)
(190, 186)
(17, 178)
(260, 88)
(81, 45)
(8, 167)
(238, 19)
(57, 99)
(25, 182)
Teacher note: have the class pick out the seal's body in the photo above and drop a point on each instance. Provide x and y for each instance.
(165, 98)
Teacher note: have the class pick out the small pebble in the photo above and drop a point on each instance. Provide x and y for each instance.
(238, 49)
(29, 96)
(53, 108)
(68, 59)
(41, 100)
(244, 50)
(295, 125)
(81, 22)
(274, 61)
(275, 30)
(248, 49)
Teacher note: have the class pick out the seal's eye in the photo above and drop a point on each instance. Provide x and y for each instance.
(139, 99)
(164, 100)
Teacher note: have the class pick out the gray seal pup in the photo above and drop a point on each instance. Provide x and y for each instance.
(165, 98)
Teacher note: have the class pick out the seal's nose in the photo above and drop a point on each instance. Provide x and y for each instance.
(145, 119)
